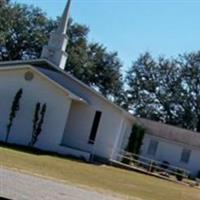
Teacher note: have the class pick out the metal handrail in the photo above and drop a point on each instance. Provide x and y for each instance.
(151, 164)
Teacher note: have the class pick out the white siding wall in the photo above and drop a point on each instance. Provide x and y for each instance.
(110, 124)
(37, 90)
(109, 128)
(125, 137)
(78, 127)
(171, 152)
(194, 162)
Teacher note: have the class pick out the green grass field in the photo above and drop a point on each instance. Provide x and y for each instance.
(98, 177)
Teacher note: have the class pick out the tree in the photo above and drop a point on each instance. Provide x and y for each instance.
(154, 88)
(4, 2)
(14, 109)
(135, 139)
(106, 71)
(190, 64)
(38, 121)
(93, 64)
(166, 90)
(77, 51)
(23, 31)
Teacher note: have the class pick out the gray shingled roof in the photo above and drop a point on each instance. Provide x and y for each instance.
(170, 132)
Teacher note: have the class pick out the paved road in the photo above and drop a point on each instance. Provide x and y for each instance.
(18, 186)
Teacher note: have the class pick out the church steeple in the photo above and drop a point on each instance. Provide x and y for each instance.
(64, 20)
(55, 50)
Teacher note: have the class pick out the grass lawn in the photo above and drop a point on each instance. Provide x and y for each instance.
(98, 177)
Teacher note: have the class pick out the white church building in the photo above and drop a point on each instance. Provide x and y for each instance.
(78, 120)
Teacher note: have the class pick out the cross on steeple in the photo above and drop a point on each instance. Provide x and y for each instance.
(55, 51)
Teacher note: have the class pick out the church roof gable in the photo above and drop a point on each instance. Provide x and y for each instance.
(23, 65)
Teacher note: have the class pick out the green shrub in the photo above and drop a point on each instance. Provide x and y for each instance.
(135, 139)
(38, 121)
(13, 112)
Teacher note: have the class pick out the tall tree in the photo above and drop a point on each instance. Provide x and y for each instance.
(4, 2)
(154, 89)
(77, 51)
(167, 90)
(190, 65)
(93, 64)
(106, 71)
(23, 31)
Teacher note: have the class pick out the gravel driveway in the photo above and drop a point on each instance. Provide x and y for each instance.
(18, 186)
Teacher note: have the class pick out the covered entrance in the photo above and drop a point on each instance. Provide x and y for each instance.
(79, 126)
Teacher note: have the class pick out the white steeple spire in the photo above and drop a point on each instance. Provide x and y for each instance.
(65, 18)
(55, 50)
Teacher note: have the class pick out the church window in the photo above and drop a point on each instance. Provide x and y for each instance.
(185, 155)
(153, 145)
(95, 126)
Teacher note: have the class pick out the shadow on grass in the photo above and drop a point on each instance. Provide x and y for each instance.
(36, 151)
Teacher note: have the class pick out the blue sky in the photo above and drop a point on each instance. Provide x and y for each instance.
(131, 27)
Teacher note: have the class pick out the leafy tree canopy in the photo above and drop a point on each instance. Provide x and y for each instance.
(93, 64)
(167, 90)
(23, 31)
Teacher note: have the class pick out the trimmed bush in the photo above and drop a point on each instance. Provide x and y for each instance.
(134, 143)
(38, 121)
(135, 139)
(14, 109)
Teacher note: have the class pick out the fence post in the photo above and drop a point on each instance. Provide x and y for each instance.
(150, 166)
